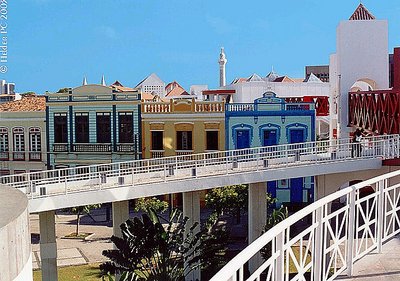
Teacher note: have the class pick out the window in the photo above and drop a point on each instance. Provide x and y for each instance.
(19, 140)
(157, 140)
(103, 127)
(125, 122)
(35, 143)
(212, 140)
(81, 127)
(184, 140)
(19, 144)
(3, 140)
(60, 128)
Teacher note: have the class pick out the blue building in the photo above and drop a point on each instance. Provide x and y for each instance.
(93, 124)
(271, 121)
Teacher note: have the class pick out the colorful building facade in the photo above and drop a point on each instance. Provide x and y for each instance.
(23, 136)
(181, 127)
(93, 124)
(272, 121)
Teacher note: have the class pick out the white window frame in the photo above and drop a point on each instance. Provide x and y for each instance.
(35, 139)
(19, 139)
(4, 144)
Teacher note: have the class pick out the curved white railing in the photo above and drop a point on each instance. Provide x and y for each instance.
(177, 168)
(336, 237)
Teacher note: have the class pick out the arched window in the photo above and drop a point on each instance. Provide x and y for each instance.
(35, 140)
(4, 143)
(19, 143)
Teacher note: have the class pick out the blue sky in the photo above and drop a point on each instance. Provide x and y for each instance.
(54, 43)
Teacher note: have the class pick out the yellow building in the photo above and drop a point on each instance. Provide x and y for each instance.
(23, 136)
(182, 127)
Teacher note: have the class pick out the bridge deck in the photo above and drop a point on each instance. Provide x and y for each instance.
(379, 267)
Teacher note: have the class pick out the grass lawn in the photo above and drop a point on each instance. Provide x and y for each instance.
(88, 272)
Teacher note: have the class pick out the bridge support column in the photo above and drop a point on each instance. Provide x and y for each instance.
(120, 214)
(191, 209)
(48, 246)
(257, 217)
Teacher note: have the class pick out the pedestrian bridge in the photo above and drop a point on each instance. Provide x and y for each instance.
(334, 240)
(55, 189)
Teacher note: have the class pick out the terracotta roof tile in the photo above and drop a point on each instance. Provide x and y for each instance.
(35, 103)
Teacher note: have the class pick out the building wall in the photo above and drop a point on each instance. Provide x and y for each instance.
(362, 52)
(26, 120)
(249, 91)
(181, 115)
(93, 99)
(276, 116)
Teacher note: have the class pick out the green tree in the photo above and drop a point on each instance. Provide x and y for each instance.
(63, 90)
(82, 210)
(228, 199)
(150, 251)
(275, 217)
(28, 94)
(145, 204)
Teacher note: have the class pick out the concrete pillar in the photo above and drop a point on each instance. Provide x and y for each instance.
(120, 214)
(191, 209)
(257, 217)
(48, 246)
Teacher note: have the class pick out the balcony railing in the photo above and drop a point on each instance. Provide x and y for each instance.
(91, 147)
(157, 153)
(179, 106)
(300, 106)
(126, 147)
(60, 147)
(19, 155)
(4, 155)
(183, 152)
(35, 156)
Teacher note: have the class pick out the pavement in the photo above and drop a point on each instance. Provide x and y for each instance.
(75, 251)
(79, 251)
(378, 267)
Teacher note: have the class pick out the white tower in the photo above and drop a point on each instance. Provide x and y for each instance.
(361, 53)
(103, 81)
(222, 62)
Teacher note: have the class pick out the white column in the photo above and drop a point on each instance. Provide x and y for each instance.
(120, 214)
(191, 209)
(48, 246)
(257, 217)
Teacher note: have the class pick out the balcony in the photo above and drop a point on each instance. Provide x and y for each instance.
(126, 147)
(4, 155)
(157, 153)
(60, 147)
(35, 156)
(19, 155)
(91, 147)
(183, 152)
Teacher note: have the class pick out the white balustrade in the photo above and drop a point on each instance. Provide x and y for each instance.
(178, 168)
(332, 242)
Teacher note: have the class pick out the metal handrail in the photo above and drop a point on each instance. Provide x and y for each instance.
(323, 236)
(177, 168)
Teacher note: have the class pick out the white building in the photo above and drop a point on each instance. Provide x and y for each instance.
(7, 91)
(362, 58)
(197, 91)
(152, 84)
(247, 90)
